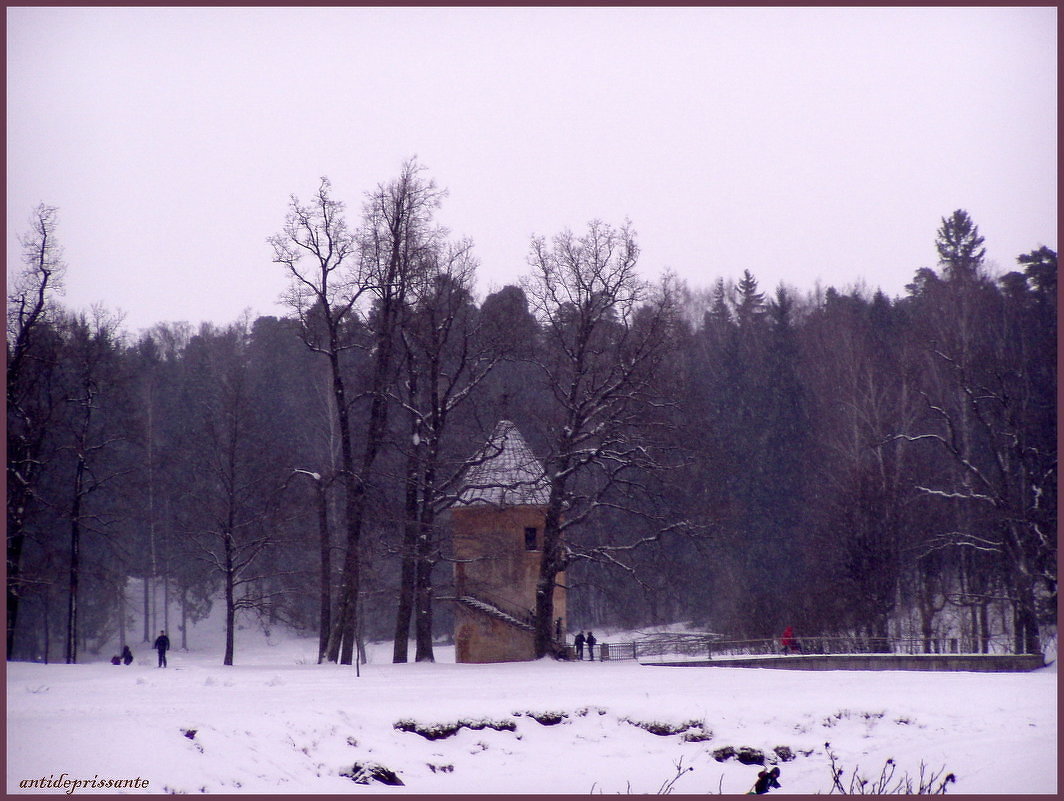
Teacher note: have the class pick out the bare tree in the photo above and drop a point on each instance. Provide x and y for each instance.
(321, 492)
(230, 474)
(607, 335)
(397, 232)
(92, 350)
(446, 360)
(324, 294)
(378, 263)
(31, 355)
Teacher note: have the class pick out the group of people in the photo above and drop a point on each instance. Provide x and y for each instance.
(162, 645)
(125, 659)
(585, 639)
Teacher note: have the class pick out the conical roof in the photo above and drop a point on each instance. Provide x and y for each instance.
(505, 472)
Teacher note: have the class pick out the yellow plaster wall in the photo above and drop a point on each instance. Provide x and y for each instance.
(489, 544)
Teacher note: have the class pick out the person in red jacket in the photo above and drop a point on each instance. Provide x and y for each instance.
(790, 645)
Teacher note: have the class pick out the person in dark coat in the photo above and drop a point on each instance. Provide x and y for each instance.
(162, 645)
(116, 660)
(127, 655)
(766, 780)
(591, 645)
(579, 642)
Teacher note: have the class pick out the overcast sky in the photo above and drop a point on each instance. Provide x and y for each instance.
(803, 144)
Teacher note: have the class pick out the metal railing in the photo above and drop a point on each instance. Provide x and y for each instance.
(709, 646)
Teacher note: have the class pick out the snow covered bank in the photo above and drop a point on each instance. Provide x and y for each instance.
(278, 723)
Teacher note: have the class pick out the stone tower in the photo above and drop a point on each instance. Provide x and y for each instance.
(497, 526)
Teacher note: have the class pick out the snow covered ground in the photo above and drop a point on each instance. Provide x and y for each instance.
(279, 723)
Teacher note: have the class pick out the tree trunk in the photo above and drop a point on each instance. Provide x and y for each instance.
(342, 636)
(405, 607)
(423, 594)
(230, 599)
(15, 544)
(338, 648)
(408, 570)
(166, 600)
(122, 613)
(47, 626)
(342, 639)
(75, 564)
(184, 618)
(549, 567)
(1025, 620)
(325, 590)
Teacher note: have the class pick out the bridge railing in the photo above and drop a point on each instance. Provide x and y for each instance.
(715, 646)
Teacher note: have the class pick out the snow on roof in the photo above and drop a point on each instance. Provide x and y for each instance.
(505, 472)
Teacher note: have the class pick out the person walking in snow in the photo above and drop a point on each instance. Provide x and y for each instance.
(591, 645)
(579, 642)
(766, 780)
(127, 655)
(162, 645)
(790, 645)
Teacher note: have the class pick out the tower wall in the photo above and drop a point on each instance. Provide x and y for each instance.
(495, 565)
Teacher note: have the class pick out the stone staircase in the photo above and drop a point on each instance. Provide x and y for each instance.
(492, 610)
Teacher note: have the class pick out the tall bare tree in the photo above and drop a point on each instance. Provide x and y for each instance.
(31, 355)
(607, 335)
(320, 255)
(397, 234)
(230, 473)
(446, 359)
(377, 265)
(92, 355)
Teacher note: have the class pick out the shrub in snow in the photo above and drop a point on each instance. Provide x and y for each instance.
(372, 772)
(750, 756)
(545, 718)
(928, 782)
(745, 755)
(440, 731)
(497, 725)
(664, 729)
(724, 753)
(587, 710)
(846, 714)
(783, 753)
(699, 734)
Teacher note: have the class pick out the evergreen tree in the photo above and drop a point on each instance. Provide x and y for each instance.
(960, 247)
